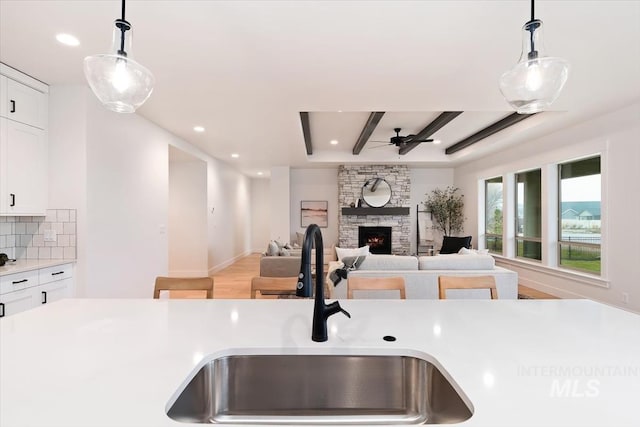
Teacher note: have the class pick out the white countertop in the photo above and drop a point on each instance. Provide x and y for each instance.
(118, 362)
(31, 264)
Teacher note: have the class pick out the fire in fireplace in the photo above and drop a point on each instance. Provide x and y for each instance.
(378, 239)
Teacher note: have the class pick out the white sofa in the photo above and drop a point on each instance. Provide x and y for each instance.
(421, 274)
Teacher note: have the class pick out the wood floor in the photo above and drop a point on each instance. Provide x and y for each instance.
(234, 282)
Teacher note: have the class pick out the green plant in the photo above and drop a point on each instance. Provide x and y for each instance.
(446, 207)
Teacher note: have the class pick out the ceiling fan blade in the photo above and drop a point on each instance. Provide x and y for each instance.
(422, 140)
(379, 146)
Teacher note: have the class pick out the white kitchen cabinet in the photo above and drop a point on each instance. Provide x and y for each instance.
(55, 291)
(25, 105)
(56, 283)
(23, 144)
(23, 169)
(16, 292)
(18, 301)
(31, 289)
(3, 96)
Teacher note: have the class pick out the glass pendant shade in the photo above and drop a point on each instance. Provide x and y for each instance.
(118, 81)
(535, 82)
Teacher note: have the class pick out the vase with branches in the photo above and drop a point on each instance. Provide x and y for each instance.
(446, 207)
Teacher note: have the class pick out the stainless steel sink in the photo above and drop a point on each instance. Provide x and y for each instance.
(319, 389)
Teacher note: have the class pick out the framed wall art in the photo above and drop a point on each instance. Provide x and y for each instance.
(314, 212)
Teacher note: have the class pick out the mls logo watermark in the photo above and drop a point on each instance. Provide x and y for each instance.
(577, 381)
(574, 388)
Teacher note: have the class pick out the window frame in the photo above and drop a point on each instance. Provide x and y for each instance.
(568, 243)
(488, 235)
(524, 238)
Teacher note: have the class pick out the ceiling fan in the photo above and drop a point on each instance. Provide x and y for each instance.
(401, 141)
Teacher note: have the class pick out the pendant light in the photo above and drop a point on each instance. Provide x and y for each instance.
(118, 81)
(535, 82)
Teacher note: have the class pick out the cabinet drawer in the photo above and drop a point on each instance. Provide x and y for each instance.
(18, 281)
(55, 273)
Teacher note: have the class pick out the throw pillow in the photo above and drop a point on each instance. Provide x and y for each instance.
(284, 252)
(299, 238)
(345, 252)
(353, 262)
(451, 245)
(272, 249)
(465, 251)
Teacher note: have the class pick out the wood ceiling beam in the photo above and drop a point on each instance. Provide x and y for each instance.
(306, 131)
(502, 124)
(369, 127)
(438, 123)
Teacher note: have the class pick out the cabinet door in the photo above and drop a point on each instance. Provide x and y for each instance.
(3, 96)
(23, 169)
(15, 302)
(26, 105)
(55, 291)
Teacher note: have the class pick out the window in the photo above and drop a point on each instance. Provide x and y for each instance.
(579, 215)
(493, 214)
(529, 214)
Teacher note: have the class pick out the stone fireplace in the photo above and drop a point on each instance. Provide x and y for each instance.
(351, 178)
(378, 239)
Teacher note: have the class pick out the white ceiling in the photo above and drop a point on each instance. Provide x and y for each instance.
(245, 69)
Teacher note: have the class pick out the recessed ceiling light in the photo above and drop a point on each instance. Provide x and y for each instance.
(437, 141)
(339, 111)
(334, 142)
(67, 39)
(198, 128)
(235, 155)
(260, 173)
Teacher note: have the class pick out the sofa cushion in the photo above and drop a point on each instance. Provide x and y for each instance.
(279, 266)
(456, 262)
(345, 252)
(389, 262)
(451, 245)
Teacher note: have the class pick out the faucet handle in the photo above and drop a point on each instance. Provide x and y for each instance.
(345, 312)
(334, 308)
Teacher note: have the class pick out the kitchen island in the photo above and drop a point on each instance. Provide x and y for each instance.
(101, 362)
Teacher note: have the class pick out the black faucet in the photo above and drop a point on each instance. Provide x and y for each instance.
(321, 311)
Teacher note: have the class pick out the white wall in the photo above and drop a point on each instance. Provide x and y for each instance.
(127, 203)
(229, 215)
(113, 168)
(68, 165)
(315, 184)
(423, 181)
(615, 136)
(279, 190)
(187, 225)
(260, 214)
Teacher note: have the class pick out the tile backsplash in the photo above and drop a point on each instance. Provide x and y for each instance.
(37, 237)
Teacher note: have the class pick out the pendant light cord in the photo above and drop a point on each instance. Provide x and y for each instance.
(124, 26)
(532, 9)
(532, 27)
(123, 2)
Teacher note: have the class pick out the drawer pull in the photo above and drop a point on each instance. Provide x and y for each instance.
(1, 309)
(13, 200)
(20, 281)
(56, 273)
(44, 297)
(13, 106)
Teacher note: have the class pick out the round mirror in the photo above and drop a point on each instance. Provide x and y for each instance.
(376, 192)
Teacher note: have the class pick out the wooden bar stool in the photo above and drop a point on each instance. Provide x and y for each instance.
(375, 284)
(273, 287)
(184, 287)
(468, 282)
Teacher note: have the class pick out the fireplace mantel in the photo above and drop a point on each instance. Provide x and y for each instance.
(376, 211)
